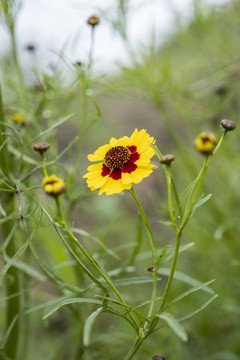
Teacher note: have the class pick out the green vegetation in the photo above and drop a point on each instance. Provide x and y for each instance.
(77, 278)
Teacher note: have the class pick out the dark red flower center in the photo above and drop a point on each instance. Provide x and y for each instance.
(116, 157)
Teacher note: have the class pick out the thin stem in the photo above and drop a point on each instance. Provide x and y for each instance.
(170, 279)
(148, 227)
(44, 164)
(92, 261)
(134, 349)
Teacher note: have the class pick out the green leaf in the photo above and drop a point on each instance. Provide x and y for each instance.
(70, 301)
(202, 201)
(134, 281)
(182, 249)
(187, 316)
(54, 126)
(87, 329)
(186, 293)
(185, 278)
(174, 325)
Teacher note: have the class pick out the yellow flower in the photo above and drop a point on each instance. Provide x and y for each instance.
(53, 185)
(121, 163)
(18, 118)
(205, 143)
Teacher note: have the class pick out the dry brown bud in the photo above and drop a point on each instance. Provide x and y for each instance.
(41, 147)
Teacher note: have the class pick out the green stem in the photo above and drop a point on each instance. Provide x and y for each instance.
(4, 157)
(44, 164)
(93, 262)
(134, 349)
(12, 292)
(170, 279)
(148, 227)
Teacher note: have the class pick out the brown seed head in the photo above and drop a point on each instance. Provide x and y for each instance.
(167, 159)
(227, 125)
(93, 20)
(41, 147)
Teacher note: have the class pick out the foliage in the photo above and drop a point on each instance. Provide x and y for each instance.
(92, 277)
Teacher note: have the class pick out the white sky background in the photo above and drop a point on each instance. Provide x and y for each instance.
(49, 24)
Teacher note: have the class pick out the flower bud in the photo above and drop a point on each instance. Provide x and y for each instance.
(41, 147)
(151, 268)
(93, 20)
(167, 159)
(227, 125)
(30, 47)
(205, 143)
(53, 185)
(18, 118)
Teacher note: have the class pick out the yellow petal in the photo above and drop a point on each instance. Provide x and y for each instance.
(137, 175)
(100, 153)
(112, 186)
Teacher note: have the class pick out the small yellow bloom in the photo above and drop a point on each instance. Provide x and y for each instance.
(121, 163)
(18, 118)
(53, 185)
(205, 143)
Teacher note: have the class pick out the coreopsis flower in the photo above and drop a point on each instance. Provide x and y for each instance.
(53, 185)
(205, 143)
(121, 163)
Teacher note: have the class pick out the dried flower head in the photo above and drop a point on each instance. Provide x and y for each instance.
(18, 118)
(53, 185)
(205, 143)
(41, 147)
(227, 125)
(93, 20)
(167, 159)
(121, 163)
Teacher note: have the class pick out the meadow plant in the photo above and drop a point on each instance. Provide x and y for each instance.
(52, 269)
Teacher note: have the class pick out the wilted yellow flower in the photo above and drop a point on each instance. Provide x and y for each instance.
(18, 118)
(121, 163)
(53, 185)
(205, 143)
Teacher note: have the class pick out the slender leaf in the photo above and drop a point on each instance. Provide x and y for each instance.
(186, 293)
(87, 329)
(202, 201)
(68, 302)
(185, 278)
(54, 126)
(174, 325)
(187, 316)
